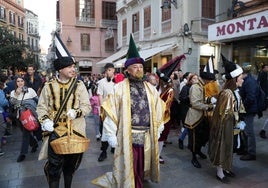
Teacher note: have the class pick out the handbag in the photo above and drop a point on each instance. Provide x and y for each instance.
(28, 120)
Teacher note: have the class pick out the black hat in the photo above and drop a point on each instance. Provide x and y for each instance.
(209, 71)
(62, 56)
(166, 70)
(133, 56)
(232, 69)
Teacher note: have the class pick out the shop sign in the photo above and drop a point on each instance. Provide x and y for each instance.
(239, 27)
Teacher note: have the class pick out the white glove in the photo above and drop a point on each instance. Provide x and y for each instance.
(71, 114)
(213, 100)
(241, 125)
(47, 125)
(112, 140)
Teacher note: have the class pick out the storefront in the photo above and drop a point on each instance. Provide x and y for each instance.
(247, 36)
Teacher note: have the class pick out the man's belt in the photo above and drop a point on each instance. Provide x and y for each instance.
(140, 127)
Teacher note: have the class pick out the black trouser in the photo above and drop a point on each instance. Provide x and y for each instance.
(57, 164)
(198, 136)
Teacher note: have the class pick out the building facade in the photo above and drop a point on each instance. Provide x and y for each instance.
(32, 33)
(12, 16)
(163, 29)
(22, 23)
(243, 35)
(88, 30)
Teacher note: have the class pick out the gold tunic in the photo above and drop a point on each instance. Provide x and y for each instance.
(51, 99)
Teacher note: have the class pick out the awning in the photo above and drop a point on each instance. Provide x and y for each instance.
(114, 57)
(145, 54)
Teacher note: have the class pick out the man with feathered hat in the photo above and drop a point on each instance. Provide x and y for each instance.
(134, 118)
(166, 91)
(54, 124)
(196, 119)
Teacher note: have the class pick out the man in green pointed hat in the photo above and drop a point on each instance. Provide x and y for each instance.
(133, 121)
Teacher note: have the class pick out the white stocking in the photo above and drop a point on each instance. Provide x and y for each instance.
(160, 146)
(220, 172)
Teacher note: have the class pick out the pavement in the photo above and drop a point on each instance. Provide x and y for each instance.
(176, 172)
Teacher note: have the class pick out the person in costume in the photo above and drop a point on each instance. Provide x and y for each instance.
(134, 119)
(105, 87)
(185, 104)
(76, 108)
(196, 119)
(225, 118)
(166, 91)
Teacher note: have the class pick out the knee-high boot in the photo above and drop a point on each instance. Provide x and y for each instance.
(68, 181)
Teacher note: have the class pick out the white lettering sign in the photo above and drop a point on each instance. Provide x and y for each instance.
(239, 27)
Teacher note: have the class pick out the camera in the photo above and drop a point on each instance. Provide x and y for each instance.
(25, 89)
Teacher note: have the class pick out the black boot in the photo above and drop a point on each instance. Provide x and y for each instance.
(181, 144)
(194, 161)
(54, 184)
(262, 134)
(68, 181)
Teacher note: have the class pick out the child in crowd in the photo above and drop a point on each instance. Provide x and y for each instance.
(95, 105)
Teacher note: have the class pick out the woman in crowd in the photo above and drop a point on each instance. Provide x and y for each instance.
(25, 98)
(225, 118)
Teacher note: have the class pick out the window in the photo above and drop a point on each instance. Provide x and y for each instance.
(135, 22)
(208, 9)
(20, 21)
(85, 41)
(147, 17)
(208, 13)
(12, 18)
(108, 10)
(30, 29)
(2, 13)
(166, 14)
(124, 27)
(85, 9)
(109, 45)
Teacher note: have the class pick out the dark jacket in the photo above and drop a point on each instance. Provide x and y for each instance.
(36, 84)
(263, 81)
(249, 94)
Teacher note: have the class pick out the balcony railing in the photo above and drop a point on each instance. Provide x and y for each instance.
(205, 22)
(109, 23)
(3, 19)
(86, 22)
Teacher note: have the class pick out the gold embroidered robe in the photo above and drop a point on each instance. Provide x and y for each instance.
(118, 107)
(224, 119)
